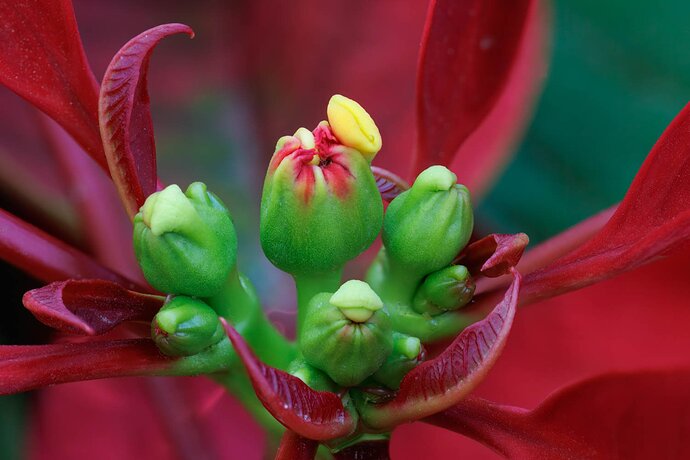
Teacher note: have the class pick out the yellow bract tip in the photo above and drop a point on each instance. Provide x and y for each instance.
(353, 126)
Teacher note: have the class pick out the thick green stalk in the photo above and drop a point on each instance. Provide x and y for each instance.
(239, 304)
(395, 284)
(310, 285)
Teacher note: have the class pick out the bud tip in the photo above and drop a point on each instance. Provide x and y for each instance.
(167, 211)
(436, 179)
(353, 126)
(409, 347)
(306, 138)
(356, 300)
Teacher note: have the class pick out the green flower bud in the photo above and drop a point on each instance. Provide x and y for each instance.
(312, 376)
(447, 289)
(185, 242)
(426, 226)
(406, 355)
(186, 326)
(347, 350)
(320, 206)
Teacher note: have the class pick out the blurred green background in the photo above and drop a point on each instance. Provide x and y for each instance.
(619, 73)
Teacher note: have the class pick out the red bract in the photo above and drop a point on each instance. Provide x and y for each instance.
(444, 380)
(46, 257)
(27, 367)
(476, 72)
(89, 306)
(467, 53)
(125, 117)
(43, 61)
(652, 219)
(316, 415)
(576, 421)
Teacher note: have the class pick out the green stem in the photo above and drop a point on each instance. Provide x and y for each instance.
(310, 285)
(239, 304)
(395, 284)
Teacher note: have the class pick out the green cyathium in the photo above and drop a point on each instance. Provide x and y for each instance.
(320, 210)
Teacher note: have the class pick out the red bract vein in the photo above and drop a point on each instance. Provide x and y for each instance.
(389, 184)
(494, 255)
(125, 117)
(317, 415)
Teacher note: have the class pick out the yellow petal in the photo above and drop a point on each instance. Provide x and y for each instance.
(353, 126)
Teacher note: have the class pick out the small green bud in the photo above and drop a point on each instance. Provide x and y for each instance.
(426, 226)
(348, 351)
(447, 289)
(185, 242)
(320, 205)
(406, 355)
(312, 376)
(186, 326)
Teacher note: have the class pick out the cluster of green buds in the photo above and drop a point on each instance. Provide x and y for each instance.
(424, 230)
(186, 246)
(320, 209)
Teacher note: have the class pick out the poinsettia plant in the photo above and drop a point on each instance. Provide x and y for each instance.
(412, 338)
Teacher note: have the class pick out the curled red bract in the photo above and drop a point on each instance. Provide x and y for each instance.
(125, 117)
(89, 306)
(317, 415)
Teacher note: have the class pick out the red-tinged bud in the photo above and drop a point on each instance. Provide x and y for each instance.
(320, 206)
